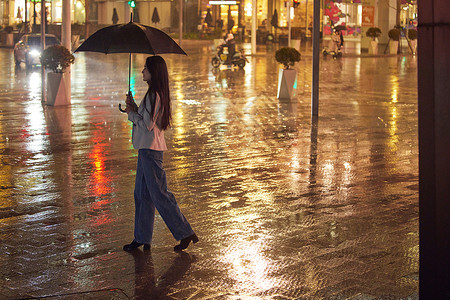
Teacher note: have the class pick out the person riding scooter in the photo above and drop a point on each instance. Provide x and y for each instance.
(231, 44)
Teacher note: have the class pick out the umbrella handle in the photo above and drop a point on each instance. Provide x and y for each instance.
(120, 105)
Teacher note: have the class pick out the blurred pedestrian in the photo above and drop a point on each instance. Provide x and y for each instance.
(341, 36)
(150, 119)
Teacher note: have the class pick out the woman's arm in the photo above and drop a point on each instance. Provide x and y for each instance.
(142, 118)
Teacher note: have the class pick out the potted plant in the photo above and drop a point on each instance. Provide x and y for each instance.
(412, 36)
(394, 37)
(287, 77)
(57, 59)
(373, 33)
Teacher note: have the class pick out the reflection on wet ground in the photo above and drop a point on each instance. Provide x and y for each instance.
(285, 206)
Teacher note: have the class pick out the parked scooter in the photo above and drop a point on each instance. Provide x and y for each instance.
(238, 58)
(334, 46)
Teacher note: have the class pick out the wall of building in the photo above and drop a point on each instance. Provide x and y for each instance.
(146, 10)
(106, 10)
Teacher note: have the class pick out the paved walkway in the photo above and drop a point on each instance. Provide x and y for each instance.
(285, 207)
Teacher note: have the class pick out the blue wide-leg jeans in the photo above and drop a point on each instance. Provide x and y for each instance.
(151, 192)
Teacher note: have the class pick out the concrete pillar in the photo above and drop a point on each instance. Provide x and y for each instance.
(66, 40)
(180, 23)
(43, 79)
(316, 60)
(254, 24)
(434, 148)
(386, 16)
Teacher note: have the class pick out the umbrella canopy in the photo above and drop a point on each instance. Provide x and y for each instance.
(130, 38)
(340, 27)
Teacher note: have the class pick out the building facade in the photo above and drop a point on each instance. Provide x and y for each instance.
(353, 15)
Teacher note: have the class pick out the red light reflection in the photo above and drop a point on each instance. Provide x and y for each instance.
(100, 182)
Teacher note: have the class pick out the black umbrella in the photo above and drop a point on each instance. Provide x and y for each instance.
(155, 16)
(115, 17)
(340, 27)
(274, 21)
(208, 18)
(130, 38)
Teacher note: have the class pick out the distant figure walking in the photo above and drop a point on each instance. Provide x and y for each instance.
(150, 119)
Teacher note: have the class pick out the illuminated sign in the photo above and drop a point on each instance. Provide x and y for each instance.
(368, 16)
(224, 2)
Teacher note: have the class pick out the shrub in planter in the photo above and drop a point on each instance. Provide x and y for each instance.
(394, 34)
(297, 34)
(373, 32)
(287, 77)
(9, 29)
(412, 34)
(287, 56)
(57, 58)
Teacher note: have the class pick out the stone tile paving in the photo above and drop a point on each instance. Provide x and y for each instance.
(286, 207)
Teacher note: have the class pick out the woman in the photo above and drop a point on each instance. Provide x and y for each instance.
(150, 120)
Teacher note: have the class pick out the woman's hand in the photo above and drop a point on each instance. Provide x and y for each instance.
(131, 105)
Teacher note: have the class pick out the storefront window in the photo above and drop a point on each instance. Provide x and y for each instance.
(408, 14)
(346, 14)
(54, 11)
(79, 13)
(261, 13)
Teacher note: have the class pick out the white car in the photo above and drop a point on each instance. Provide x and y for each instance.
(28, 49)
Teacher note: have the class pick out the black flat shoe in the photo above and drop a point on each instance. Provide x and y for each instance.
(134, 245)
(185, 242)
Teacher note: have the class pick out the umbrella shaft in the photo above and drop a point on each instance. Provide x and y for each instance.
(129, 74)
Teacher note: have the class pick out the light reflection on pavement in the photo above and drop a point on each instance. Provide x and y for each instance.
(285, 206)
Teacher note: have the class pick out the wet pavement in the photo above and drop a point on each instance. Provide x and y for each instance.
(285, 207)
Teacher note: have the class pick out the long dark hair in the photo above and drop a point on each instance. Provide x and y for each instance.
(159, 83)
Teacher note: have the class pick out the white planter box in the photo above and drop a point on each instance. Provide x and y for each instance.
(56, 89)
(10, 39)
(287, 84)
(373, 47)
(393, 47)
(296, 44)
(413, 46)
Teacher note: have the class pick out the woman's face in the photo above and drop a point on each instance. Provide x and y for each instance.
(146, 76)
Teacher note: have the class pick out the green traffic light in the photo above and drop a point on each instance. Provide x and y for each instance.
(132, 3)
